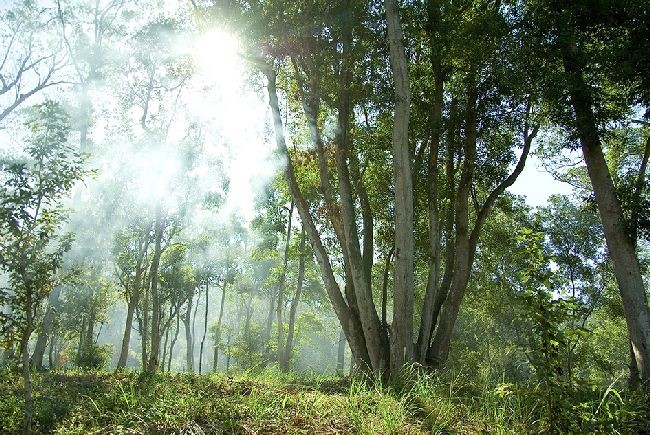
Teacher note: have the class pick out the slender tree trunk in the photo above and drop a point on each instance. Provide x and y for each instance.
(176, 332)
(281, 286)
(164, 346)
(196, 309)
(375, 337)
(189, 349)
(352, 327)
(402, 327)
(132, 302)
(228, 356)
(90, 326)
(46, 329)
(144, 329)
(205, 326)
(124, 352)
(451, 306)
(217, 339)
(24, 351)
(268, 327)
(384, 287)
(156, 312)
(295, 301)
(340, 361)
(82, 331)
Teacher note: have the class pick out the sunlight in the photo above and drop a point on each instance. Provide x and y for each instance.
(216, 53)
(236, 115)
(155, 173)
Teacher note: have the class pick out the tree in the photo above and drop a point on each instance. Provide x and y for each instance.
(31, 60)
(31, 209)
(470, 118)
(582, 72)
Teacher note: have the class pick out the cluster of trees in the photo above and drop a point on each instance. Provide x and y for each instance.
(400, 126)
(466, 92)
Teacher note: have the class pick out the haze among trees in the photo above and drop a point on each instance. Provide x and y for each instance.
(305, 206)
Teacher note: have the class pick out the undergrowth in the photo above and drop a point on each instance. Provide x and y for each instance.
(81, 402)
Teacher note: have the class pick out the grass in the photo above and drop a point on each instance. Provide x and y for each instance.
(78, 402)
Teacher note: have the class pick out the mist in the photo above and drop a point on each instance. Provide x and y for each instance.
(174, 128)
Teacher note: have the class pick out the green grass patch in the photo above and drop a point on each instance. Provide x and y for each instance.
(86, 402)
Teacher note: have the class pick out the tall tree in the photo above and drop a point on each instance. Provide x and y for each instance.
(578, 41)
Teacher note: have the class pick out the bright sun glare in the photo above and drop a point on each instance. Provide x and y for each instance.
(236, 114)
(217, 54)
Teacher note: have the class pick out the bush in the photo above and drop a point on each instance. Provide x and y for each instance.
(94, 357)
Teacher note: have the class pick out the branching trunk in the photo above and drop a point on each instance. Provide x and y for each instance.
(451, 306)
(311, 102)
(374, 335)
(351, 328)
(133, 293)
(433, 288)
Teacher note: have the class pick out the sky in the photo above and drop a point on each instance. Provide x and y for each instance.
(537, 185)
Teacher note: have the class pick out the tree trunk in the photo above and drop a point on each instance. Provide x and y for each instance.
(156, 309)
(189, 348)
(433, 289)
(281, 287)
(90, 326)
(375, 337)
(50, 353)
(46, 329)
(311, 103)
(24, 351)
(451, 306)
(288, 350)
(620, 246)
(144, 328)
(82, 331)
(350, 325)
(340, 361)
(217, 339)
(268, 327)
(124, 352)
(173, 343)
(384, 287)
(402, 327)
(196, 309)
(205, 326)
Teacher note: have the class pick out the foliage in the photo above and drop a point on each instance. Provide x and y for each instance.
(93, 356)
(32, 212)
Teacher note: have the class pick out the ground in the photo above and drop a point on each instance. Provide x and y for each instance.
(91, 402)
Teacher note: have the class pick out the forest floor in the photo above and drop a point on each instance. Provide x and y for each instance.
(78, 402)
